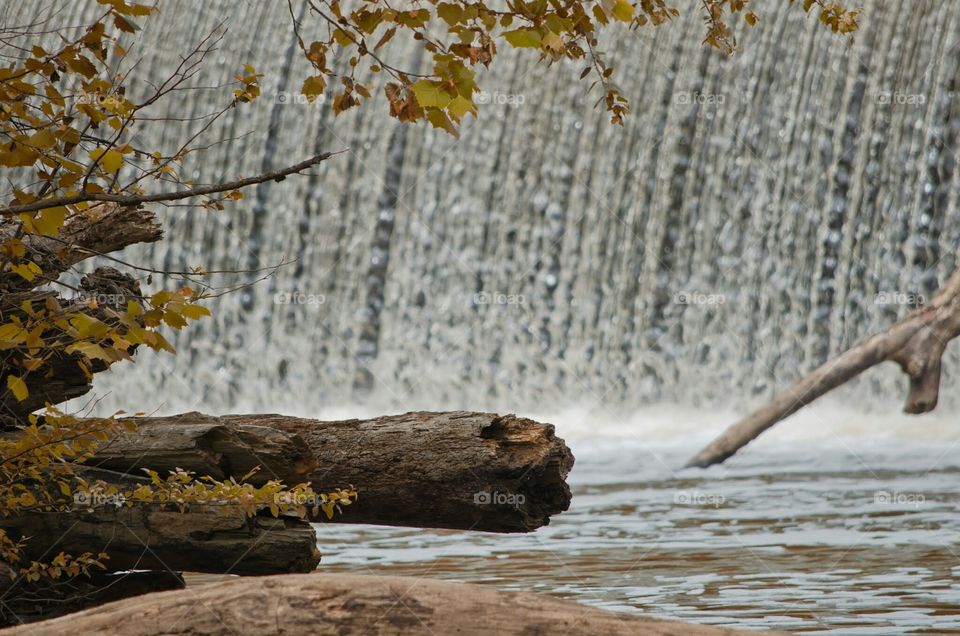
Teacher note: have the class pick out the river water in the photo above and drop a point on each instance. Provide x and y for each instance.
(823, 527)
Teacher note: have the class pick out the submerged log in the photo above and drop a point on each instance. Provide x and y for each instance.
(458, 470)
(916, 343)
(356, 604)
(149, 538)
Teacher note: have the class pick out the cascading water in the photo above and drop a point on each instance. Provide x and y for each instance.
(749, 220)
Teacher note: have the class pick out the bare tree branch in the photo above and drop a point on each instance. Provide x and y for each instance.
(138, 199)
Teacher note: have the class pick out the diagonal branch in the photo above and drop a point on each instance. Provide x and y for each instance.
(916, 343)
(138, 199)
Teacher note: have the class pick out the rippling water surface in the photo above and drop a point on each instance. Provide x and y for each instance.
(836, 523)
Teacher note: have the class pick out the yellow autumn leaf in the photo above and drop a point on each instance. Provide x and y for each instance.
(50, 220)
(313, 87)
(623, 10)
(110, 160)
(18, 387)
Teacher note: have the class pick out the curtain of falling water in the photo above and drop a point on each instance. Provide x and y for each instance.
(734, 234)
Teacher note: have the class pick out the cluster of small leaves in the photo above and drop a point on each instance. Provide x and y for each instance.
(183, 490)
(461, 36)
(720, 35)
(37, 474)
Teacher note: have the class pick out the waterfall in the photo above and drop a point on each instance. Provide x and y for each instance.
(755, 215)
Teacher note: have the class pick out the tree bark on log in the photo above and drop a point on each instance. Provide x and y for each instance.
(337, 604)
(916, 343)
(459, 470)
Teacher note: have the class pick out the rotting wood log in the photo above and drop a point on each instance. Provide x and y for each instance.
(337, 604)
(458, 470)
(151, 538)
(916, 343)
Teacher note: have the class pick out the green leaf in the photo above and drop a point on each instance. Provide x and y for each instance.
(523, 38)
(429, 95)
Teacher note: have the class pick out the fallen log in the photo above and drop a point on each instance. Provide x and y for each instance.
(153, 538)
(355, 604)
(458, 470)
(916, 343)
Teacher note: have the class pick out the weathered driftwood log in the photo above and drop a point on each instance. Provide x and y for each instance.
(102, 228)
(460, 470)
(337, 604)
(146, 538)
(23, 602)
(916, 343)
(61, 378)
